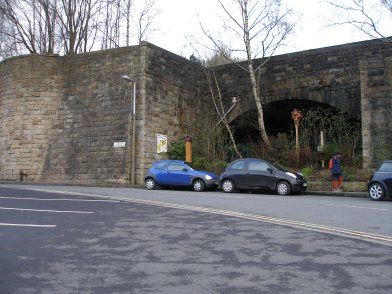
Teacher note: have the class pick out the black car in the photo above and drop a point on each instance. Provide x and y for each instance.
(253, 173)
(380, 183)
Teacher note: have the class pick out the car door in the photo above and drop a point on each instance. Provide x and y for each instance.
(160, 172)
(177, 174)
(386, 170)
(257, 175)
(237, 173)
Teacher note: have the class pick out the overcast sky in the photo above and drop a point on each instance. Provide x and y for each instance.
(180, 18)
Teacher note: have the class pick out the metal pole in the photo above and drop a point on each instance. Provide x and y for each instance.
(296, 140)
(133, 168)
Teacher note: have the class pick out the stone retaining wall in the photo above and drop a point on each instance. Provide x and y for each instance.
(326, 185)
(60, 117)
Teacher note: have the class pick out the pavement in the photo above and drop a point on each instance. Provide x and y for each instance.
(343, 193)
(309, 192)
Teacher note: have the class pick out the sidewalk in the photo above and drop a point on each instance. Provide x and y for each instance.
(344, 194)
(308, 192)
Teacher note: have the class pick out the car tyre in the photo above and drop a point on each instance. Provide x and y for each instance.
(376, 192)
(228, 186)
(150, 184)
(283, 188)
(198, 186)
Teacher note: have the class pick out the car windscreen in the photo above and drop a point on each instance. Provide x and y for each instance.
(385, 167)
(190, 165)
(277, 166)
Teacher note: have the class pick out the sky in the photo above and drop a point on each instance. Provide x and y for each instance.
(179, 19)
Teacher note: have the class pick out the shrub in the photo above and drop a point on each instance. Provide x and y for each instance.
(307, 171)
(351, 177)
(177, 149)
(202, 163)
(219, 167)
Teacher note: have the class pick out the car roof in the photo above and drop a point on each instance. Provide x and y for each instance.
(249, 158)
(170, 160)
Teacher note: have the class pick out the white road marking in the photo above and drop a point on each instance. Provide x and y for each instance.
(349, 206)
(27, 225)
(309, 226)
(44, 210)
(58, 199)
(201, 194)
(359, 207)
(386, 240)
(383, 239)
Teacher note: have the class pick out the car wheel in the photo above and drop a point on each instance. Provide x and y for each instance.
(198, 185)
(283, 188)
(150, 184)
(227, 186)
(376, 191)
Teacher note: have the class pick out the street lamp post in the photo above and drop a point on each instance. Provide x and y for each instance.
(296, 116)
(125, 77)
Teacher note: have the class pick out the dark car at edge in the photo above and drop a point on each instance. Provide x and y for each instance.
(177, 173)
(380, 182)
(257, 174)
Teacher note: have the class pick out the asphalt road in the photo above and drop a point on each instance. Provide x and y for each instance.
(113, 240)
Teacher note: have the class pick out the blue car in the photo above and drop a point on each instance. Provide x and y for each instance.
(172, 173)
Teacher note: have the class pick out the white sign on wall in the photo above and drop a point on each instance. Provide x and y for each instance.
(161, 143)
(119, 144)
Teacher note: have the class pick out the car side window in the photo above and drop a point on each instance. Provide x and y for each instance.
(239, 165)
(257, 165)
(386, 167)
(161, 165)
(175, 166)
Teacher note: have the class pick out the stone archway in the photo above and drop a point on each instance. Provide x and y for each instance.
(277, 114)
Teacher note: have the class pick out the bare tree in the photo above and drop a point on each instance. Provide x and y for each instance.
(145, 20)
(71, 26)
(111, 24)
(128, 6)
(219, 107)
(371, 17)
(77, 23)
(259, 27)
(216, 95)
(29, 25)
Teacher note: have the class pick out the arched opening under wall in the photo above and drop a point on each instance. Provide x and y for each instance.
(277, 118)
(342, 130)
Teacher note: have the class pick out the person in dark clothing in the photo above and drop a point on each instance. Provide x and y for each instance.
(336, 171)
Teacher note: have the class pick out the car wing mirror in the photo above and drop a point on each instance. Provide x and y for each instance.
(270, 170)
(184, 169)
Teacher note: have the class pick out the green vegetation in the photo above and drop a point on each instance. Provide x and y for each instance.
(214, 151)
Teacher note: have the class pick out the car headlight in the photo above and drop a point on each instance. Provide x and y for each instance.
(208, 177)
(291, 175)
